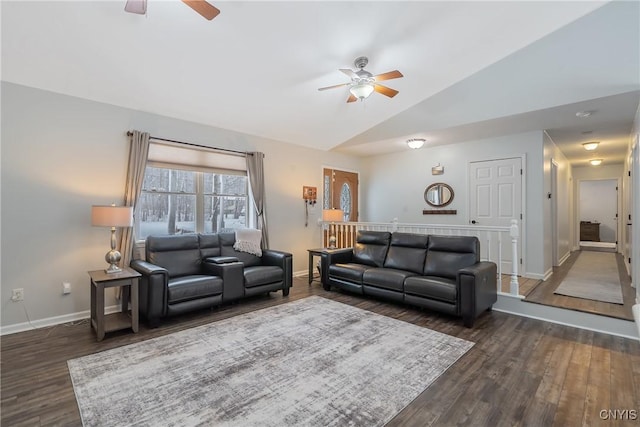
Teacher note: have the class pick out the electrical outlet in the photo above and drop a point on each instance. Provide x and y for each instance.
(17, 295)
(66, 288)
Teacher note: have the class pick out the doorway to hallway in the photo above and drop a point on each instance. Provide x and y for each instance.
(598, 214)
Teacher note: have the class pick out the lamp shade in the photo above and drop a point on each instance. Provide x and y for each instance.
(332, 215)
(361, 90)
(112, 216)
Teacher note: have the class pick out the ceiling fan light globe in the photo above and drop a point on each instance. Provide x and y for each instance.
(361, 90)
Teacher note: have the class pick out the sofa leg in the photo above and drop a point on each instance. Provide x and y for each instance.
(490, 309)
(285, 292)
(153, 323)
(468, 321)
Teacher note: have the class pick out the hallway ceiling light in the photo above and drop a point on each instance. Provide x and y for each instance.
(583, 114)
(595, 162)
(416, 143)
(591, 145)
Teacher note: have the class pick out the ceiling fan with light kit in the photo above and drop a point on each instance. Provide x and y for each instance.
(363, 83)
(204, 8)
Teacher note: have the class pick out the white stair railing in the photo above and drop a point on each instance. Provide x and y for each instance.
(496, 243)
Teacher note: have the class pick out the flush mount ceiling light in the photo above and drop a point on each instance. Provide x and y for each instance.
(583, 114)
(416, 143)
(361, 90)
(595, 162)
(591, 145)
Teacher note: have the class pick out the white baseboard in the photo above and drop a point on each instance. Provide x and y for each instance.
(52, 321)
(564, 258)
(537, 276)
(303, 273)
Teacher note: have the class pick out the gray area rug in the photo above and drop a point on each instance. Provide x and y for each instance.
(311, 362)
(593, 276)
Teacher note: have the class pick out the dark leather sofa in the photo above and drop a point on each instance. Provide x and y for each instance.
(440, 273)
(189, 272)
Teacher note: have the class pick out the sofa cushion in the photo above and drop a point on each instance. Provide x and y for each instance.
(226, 249)
(371, 247)
(448, 254)
(180, 255)
(209, 245)
(407, 252)
(186, 288)
(386, 278)
(350, 272)
(262, 275)
(432, 287)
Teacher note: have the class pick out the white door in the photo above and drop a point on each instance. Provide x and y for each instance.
(495, 198)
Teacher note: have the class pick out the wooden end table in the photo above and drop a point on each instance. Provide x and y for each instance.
(317, 252)
(101, 323)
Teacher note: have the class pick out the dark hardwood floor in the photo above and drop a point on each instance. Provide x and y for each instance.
(520, 372)
(543, 293)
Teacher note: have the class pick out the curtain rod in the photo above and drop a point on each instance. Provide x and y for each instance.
(244, 153)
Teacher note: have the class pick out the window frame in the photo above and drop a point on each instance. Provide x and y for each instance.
(200, 193)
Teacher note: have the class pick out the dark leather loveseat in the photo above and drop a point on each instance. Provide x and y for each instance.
(441, 273)
(193, 271)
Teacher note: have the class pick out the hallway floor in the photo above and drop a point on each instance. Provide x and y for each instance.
(543, 293)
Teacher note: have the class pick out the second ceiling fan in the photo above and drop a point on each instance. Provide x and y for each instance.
(204, 8)
(363, 83)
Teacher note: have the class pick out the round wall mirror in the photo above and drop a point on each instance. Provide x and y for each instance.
(438, 195)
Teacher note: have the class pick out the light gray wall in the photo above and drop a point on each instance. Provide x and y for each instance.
(395, 184)
(563, 196)
(60, 155)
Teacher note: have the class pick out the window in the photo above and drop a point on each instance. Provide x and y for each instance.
(175, 201)
(194, 195)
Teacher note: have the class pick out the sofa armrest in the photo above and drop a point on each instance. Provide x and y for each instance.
(332, 256)
(478, 290)
(146, 268)
(273, 257)
(335, 256)
(153, 290)
(283, 260)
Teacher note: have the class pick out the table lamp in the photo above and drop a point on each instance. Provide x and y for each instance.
(332, 216)
(112, 216)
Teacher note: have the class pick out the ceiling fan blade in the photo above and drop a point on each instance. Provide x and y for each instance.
(388, 76)
(204, 8)
(136, 6)
(385, 90)
(350, 73)
(334, 86)
(352, 98)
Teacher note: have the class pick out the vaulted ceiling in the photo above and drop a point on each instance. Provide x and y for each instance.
(471, 69)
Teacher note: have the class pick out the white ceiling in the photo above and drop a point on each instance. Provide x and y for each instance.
(471, 68)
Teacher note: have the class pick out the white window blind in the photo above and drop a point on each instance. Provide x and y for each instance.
(194, 158)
